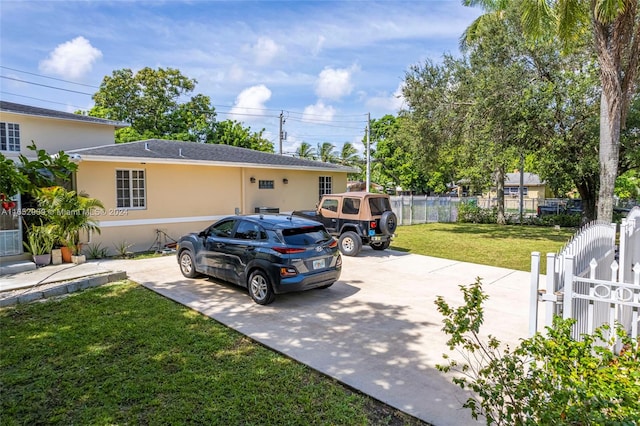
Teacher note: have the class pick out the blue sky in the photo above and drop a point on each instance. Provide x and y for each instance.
(325, 64)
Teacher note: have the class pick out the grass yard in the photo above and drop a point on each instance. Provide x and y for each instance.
(504, 246)
(122, 354)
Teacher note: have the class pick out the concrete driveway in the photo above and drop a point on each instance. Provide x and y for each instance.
(376, 330)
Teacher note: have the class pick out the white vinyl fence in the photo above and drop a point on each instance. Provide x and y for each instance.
(587, 281)
(417, 209)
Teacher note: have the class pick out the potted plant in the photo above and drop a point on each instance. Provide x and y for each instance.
(71, 214)
(40, 240)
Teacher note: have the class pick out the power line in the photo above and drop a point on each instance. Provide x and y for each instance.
(45, 85)
(50, 78)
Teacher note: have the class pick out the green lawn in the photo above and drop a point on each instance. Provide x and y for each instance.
(122, 354)
(504, 246)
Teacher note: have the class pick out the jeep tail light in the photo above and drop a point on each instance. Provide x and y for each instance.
(333, 243)
(288, 250)
(288, 271)
(372, 224)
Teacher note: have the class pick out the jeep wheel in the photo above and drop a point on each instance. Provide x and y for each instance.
(350, 243)
(380, 245)
(388, 222)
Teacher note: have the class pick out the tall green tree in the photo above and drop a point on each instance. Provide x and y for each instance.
(326, 152)
(306, 151)
(393, 160)
(151, 102)
(349, 155)
(231, 132)
(615, 27)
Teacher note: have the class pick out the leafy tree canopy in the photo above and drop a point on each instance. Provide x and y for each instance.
(153, 102)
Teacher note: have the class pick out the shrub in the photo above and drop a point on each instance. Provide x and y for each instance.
(552, 379)
(471, 213)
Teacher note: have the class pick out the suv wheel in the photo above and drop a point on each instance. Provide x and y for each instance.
(380, 245)
(350, 243)
(260, 288)
(388, 222)
(187, 265)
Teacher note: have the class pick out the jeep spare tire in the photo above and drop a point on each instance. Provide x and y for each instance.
(388, 222)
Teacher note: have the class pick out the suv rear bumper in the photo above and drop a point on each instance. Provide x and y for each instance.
(306, 281)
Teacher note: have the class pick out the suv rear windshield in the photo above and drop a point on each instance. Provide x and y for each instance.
(305, 236)
(379, 205)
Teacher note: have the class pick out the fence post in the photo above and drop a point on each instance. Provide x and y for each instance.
(549, 297)
(533, 295)
(568, 287)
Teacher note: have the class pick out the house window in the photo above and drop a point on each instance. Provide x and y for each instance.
(325, 186)
(9, 137)
(265, 184)
(131, 189)
(514, 191)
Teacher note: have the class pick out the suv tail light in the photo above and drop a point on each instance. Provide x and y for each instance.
(333, 243)
(288, 250)
(288, 271)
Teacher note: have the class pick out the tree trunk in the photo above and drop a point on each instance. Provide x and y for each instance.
(501, 220)
(609, 153)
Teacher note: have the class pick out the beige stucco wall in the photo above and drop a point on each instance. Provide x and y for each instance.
(187, 198)
(533, 192)
(54, 135)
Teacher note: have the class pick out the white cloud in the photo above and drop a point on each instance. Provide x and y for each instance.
(251, 101)
(335, 83)
(319, 112)
(72, 59)
(265, 50)
(385, 101)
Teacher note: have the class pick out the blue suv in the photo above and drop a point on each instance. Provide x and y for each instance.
(267, 254)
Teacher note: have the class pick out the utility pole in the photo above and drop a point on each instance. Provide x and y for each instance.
(280, 134)
(368, 130)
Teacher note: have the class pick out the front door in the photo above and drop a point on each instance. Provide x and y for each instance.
(10, 228)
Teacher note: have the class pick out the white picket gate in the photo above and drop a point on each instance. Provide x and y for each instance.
(586, 282)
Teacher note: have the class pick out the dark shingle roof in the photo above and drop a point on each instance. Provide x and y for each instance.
(50, 113)
(179, 151)
(530, 179)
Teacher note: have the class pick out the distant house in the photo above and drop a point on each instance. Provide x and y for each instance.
(157, 188)
(533, 187)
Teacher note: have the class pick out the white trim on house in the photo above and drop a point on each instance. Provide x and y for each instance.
(144, 160)
(158, 221)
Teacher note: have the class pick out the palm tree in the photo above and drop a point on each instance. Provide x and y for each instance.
(305, 150)
(326, 152)
(349, 155)
(615, 25)
(70, 213)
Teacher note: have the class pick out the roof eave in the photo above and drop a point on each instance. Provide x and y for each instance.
(185, 162)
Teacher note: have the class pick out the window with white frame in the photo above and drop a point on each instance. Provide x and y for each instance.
(9, 137)
(131, 189)
(324, 186)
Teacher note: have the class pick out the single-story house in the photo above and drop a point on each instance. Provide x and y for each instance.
(154, 191)
(533, 187)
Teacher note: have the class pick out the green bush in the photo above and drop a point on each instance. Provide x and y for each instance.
(471, 213)
(550, 379)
